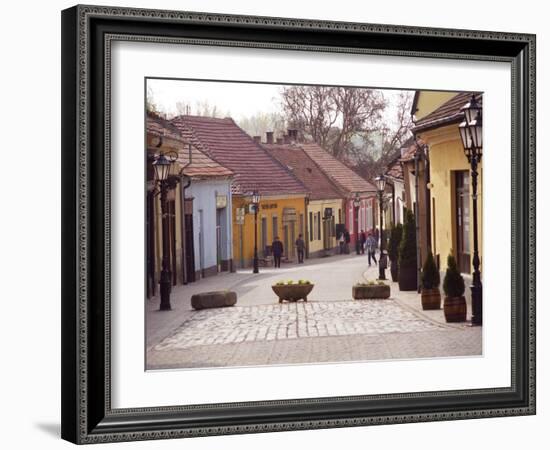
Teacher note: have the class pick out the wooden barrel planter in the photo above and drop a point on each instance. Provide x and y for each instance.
(292, 292)
(455, 309)
(214, 299)
(431, 299)
(362, 292)
(407, 278)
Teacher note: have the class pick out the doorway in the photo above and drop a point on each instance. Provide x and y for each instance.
(462, 219)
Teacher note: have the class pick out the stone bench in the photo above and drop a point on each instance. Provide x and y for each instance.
(215, 299)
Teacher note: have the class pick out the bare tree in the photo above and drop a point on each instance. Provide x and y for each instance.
(333, 116)
(391, 137)
(310, 109)
(259, 123)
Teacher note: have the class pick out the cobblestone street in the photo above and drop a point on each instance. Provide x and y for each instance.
(329, 327)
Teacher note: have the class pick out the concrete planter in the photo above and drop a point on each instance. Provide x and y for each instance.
(215, 299)
(292, 292)
(431, 299)
(370, 292)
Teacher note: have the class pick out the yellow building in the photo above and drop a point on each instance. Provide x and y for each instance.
(278, 216)
(283, 197)
(451, 219)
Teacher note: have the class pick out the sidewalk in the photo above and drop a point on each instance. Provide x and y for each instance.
(412, 301)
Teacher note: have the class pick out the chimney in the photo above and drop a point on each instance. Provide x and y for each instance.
(269, 137)
(279, 140)
(293, 134)
(257, 139)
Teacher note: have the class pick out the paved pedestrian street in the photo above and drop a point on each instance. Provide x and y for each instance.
(294, 321)
(330, 327)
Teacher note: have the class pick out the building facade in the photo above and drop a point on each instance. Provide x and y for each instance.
(199, 222)
(325, 202)
(282, 207)
(359, 196)
(450, 208)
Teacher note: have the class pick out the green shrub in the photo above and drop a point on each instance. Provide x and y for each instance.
(430, 274)
(407, 246)
(453, 283)
(396, 233)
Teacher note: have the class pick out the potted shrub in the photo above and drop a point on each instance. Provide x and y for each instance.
(393, 249)
(430, 295)
(454, 305)
(370, 289)
(291, 291)
(407, 255)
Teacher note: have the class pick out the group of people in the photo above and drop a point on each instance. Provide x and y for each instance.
(366, 241)
(277, 249)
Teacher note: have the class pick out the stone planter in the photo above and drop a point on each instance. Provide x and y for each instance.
(370, 292)
(215, 299)
(292, 292)
(455, 309)
(407, 278)
(431, 298)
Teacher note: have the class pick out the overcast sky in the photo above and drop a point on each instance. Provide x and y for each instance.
(237, 100)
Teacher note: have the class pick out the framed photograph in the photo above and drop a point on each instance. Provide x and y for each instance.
(281, 224)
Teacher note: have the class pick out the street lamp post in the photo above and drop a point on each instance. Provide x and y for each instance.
(256, 203)
(381, 186)
(162, 166)
(356, 206)
(472, 140)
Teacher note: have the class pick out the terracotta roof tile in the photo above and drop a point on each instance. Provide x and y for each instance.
(254, 169)
(449, 112)
(345, 178)
(301, 165)
(395, 170)
(201, 165)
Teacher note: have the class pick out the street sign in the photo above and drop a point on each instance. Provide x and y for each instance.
(239, 216)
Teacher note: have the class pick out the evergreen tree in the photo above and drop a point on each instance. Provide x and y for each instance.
(407, 247)
(430, 274)
(453, 283)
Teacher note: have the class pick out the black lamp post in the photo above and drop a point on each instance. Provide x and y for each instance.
(256, 203)
(356, 206)
(471, 131)
(381, 187)
(162, 166)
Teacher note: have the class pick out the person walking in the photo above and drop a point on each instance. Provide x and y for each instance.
(371, 248)
(277, 250)
(342, 242)
(362, 240)
(347, 238)
(300, 248)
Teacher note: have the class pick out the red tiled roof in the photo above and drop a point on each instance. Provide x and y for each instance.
(449, 112)
(254, 168)
(395, 170)
(301, 165)
(201, 165)
(340, 174)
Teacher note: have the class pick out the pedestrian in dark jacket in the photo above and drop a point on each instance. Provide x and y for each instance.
(277, 249)
(362, 240)
(347, 238)
(300, 248)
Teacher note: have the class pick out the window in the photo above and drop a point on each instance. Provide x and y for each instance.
(310, 226)
(318, 226)
(275, 227)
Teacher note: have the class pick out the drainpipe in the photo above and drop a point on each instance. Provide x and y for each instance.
(417, 219)
(183, 187)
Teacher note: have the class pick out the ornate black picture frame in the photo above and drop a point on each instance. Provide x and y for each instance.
(87, 414)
